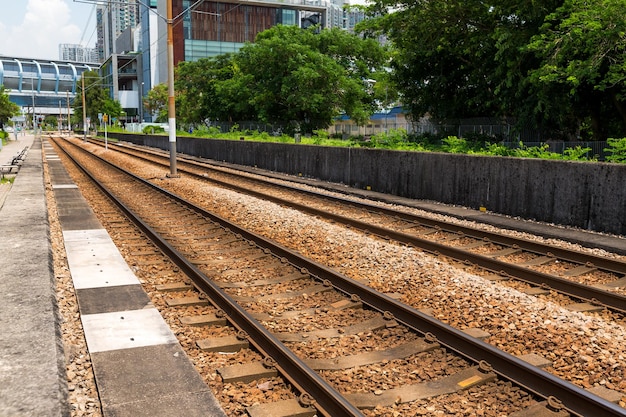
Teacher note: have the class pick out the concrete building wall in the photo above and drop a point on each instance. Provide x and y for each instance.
(585, 195)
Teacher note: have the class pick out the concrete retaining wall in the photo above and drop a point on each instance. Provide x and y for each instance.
(585, 195)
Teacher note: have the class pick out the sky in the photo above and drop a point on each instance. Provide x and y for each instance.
(35, 28)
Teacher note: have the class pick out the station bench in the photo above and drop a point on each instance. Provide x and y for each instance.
(19, 157)
(8, 169)
(15, 164)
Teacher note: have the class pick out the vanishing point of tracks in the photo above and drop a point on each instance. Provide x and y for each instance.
(237, 269)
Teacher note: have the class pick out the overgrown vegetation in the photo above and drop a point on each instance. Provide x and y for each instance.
(617, 149)
(398, 139)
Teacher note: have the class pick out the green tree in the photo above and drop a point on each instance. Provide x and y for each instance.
(97, 99)
(212, 89)
(554, 65)
(308, 78)
(155, 102)
(8, 109)
(443, 55)
(582, 47)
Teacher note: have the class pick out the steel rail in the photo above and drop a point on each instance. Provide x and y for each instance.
(534, 379)
(329, 402)
(594, 295)
(573, 256)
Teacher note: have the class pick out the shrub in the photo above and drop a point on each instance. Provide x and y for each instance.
(390, 139)
(576, 154)
(151, 129)
(536, 152)
(617, 150)
(452, 144)
(208, 131)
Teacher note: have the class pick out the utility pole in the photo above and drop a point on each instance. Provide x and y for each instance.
(85, 127)
(32, 90)
(171, 104)
(69, 123)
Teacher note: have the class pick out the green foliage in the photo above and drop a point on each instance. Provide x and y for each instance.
(558, 66)
(540, 152)
(497, 149)
(155, 102)
(97, 100)
(7, 179)
(207, 131)
(394, 138)
(577, 154)
(8, 109)
(306, 79)
(320, 136)
(152, 129)
(52, 123)
(452, 144)
(583, 59)
(617, 149)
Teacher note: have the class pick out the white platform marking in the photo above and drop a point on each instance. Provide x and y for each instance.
(126, 330)
(95, 261)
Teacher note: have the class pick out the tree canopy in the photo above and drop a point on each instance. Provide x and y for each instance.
(297, 78)
(554, 65)
(156, 102)
(8, 109)
(97, 100)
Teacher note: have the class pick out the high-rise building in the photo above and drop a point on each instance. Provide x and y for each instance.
(77, 53)
(113, 19)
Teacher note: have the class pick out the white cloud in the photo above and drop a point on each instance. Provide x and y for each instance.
(46, 24)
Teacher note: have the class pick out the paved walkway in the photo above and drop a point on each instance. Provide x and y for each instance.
(7, 153)
(13, 147)
(32, 363)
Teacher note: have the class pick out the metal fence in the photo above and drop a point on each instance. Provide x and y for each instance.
(596, 148)
(510, 136)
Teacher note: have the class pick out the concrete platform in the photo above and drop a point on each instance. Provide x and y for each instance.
(32, 363)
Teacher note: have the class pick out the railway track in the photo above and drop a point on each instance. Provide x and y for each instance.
(236, 268)
(594, 282)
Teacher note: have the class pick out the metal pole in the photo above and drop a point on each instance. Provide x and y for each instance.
(85, 127)
(60, 123)
(171, 107)
(69, 123)
(141, 103)
(106, 138)
(32, 90)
